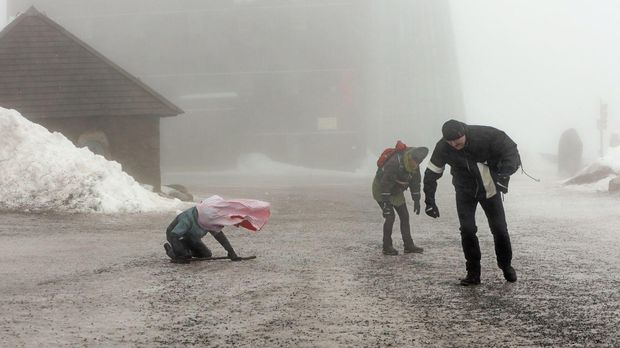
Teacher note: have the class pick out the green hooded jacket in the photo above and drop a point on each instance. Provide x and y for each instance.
(400, 172)
(187, 226)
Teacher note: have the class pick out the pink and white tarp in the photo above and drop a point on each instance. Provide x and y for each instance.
(215, 212)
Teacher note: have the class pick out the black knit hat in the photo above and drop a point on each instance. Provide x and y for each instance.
(453, 130)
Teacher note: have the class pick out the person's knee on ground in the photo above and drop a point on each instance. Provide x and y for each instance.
(178, 248)
(201, 252)
(198, 248)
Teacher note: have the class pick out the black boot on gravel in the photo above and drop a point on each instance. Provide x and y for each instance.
(172, 256)
(510, 274)
(414, 249)
(470, 279)
(169, 251)
(390, 251)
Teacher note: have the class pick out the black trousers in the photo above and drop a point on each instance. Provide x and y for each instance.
(494, 210)
(405, 229)
(186, 246)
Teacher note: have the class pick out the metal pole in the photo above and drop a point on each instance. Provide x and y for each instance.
(602, 125)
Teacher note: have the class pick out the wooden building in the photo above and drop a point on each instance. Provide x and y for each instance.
(55, 79)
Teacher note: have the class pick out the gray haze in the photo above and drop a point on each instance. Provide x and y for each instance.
(532, 68)
(536, 68)
(2, 13)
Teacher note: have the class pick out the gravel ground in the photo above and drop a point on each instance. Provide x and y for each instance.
(319, 279)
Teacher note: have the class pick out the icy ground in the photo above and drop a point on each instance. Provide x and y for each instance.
(319, 279)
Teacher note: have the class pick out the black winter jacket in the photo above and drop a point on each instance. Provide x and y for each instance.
(488, 154)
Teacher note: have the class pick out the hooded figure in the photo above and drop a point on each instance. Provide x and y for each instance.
(399, 172)
(185, 233)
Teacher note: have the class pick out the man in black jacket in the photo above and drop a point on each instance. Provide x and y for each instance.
(481, 159)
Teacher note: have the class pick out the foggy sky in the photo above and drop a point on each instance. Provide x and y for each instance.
(536, 67)
(2, 13)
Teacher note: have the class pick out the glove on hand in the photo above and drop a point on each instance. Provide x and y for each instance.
(233, 256)
(502, 183)
(415, 197)
(432, 210)
(388, 209)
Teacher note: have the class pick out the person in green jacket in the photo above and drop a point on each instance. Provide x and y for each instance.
(399, 172)
(184, 236)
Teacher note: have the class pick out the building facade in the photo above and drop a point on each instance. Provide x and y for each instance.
(310, 82)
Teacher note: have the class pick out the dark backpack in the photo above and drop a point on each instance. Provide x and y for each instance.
(387, 153)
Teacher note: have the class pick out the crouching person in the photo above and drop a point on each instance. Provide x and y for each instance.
(185, 233)
(399, 172)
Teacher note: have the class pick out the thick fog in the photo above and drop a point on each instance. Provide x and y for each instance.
(536, 68)
(275, 77)
(2, 13)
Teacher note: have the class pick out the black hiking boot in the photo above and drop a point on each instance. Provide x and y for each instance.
(172, 256)
(414, 249)
(169, 251)
(470, 279)
(510, 274)
(390, 251)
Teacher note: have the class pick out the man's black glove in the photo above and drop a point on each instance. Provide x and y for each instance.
(432, 210)
(388, 209)
(502, 183)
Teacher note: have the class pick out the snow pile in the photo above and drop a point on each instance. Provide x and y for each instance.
(596, 176)
(43, 171)
(610, 160)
